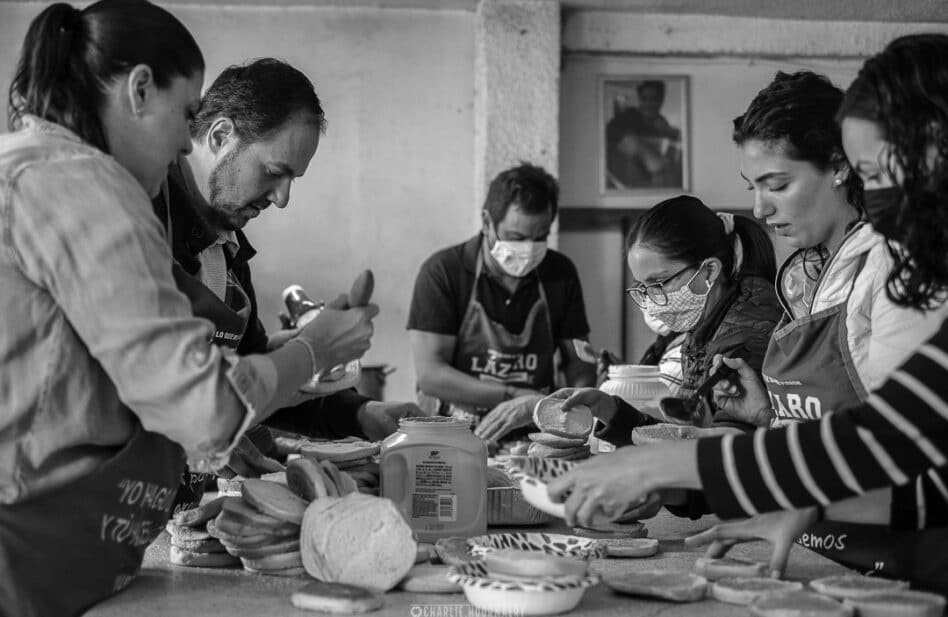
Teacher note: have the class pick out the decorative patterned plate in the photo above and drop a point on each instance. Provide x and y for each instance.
(561, 545)
(533, 474)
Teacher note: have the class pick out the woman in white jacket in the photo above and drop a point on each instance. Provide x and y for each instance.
(841, 335)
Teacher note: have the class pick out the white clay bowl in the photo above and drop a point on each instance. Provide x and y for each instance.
(522, 597)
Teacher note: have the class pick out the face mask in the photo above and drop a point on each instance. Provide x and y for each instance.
(882, 209)
(518, 258)
(682, 311)
(655, 325)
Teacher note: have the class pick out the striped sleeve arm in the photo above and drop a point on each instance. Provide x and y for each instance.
(898, 433)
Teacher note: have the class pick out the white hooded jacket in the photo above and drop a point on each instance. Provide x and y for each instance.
(880, 335)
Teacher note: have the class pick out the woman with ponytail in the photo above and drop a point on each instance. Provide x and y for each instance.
(708, 275)
(109, 383)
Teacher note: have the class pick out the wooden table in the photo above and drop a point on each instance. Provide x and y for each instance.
(166, 590)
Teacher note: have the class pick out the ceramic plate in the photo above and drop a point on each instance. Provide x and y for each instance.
(347, 380)
(557, 544)
(533, 474)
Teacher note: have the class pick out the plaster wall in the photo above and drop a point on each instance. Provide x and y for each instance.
(391, 181)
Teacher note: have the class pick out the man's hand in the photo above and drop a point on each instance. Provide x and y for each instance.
(246, 460)
(280, 337)
(378, 420)
(339, 335)
(748, 402)
(507, 416)
(781, 529)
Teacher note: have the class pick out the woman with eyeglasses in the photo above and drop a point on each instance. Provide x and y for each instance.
(710, 277)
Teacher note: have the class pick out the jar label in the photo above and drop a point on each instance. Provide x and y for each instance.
(434, 496)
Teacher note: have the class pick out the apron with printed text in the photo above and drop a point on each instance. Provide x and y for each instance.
(808, 372)
(230, 318)
(70, 548)
(486, 350)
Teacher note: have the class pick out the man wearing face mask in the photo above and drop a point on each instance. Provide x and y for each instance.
(488, 315)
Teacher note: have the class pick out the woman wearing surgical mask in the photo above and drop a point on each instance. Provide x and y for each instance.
(893, 119)
(109, 383)
(708, 276)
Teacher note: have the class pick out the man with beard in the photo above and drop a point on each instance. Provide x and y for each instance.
(257, 130)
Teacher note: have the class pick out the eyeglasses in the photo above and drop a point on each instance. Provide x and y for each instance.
(656, 291)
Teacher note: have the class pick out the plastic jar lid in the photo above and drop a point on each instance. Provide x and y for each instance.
(634, 371)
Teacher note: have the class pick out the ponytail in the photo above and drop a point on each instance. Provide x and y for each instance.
(758, 250)
(52, 80)
(70, 56)
(685, 229)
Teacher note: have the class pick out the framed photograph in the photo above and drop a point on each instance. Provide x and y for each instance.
(644, 136)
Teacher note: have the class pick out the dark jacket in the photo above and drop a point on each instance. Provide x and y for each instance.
(739, 326)
(332, 416)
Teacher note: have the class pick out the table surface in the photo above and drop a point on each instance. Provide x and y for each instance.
(163, 589)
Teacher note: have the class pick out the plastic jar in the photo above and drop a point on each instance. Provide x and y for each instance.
(435, 470)
(640, 385)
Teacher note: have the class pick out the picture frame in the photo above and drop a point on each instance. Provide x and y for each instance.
(644, 138)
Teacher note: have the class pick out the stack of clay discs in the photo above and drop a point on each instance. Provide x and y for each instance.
(612, 533)
(562, 435)
(262, 528)
(355, 458)
(192, 545)
(311, 480)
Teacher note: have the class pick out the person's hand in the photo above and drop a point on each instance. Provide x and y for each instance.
(280, 337)
(379, 419)
(746, 402)
(246, 460)
(608, 485)
(507, 416)
(602, 405)
(339, 335)
(603, 362)
(781, 529)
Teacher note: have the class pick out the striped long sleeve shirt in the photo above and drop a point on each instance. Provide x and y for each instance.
(899, 432)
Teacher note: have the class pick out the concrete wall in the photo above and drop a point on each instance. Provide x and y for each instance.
(516, 105)
(392, 180)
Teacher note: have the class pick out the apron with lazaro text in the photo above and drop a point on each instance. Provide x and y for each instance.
(808, 372)
(486, 350)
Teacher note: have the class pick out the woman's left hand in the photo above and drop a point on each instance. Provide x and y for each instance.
(608, 485)
(781, 529)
